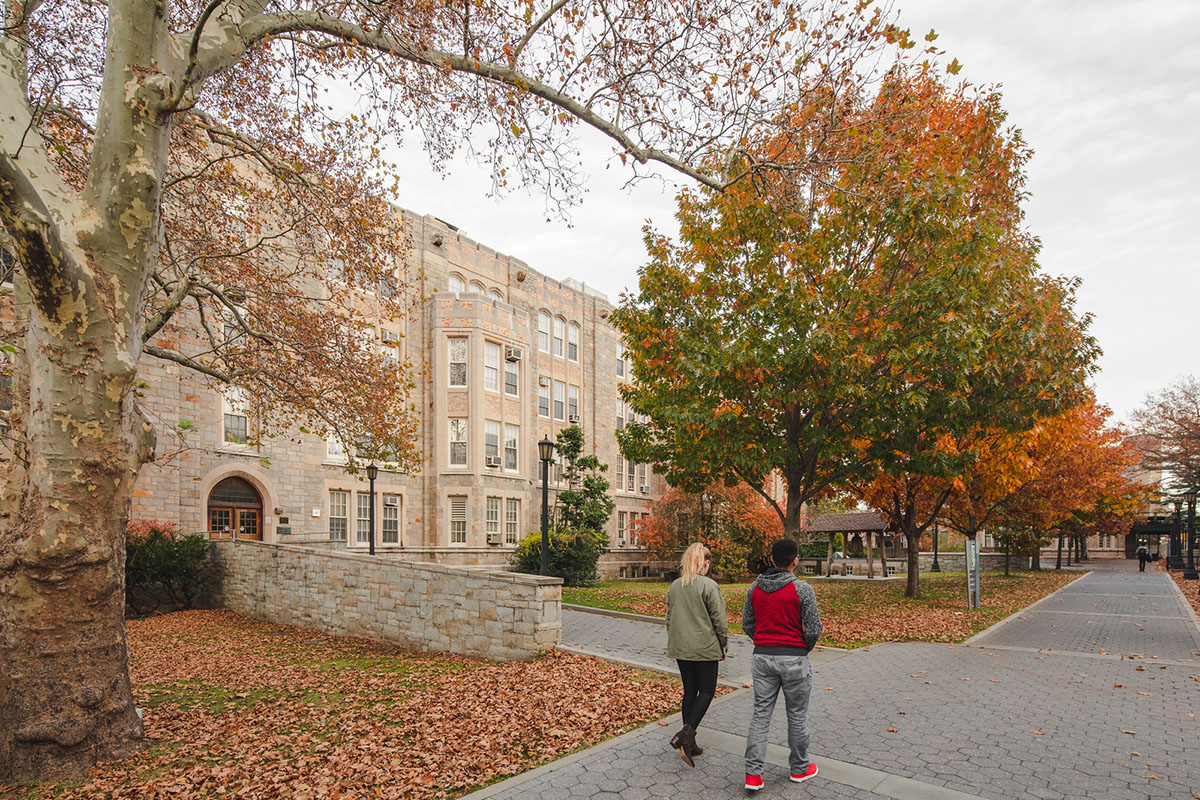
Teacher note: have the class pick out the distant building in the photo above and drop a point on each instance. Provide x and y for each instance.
(509, 355)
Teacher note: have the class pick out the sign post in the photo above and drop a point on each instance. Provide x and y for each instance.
(972, 572)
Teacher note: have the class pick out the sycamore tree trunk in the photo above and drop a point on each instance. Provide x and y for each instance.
(870, 558)
(883, 555)
(1058, 560)
(65, 698)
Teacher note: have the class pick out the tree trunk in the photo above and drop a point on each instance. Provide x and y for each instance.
(870, 558)
(882, 556)
(79, 438)
(912, 587)
(1035, 561)
(1006, 550)
(829, 566)
(1058, 561)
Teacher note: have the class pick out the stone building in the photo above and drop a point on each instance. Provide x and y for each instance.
(508, 355)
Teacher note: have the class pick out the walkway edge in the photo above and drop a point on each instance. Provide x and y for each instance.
(1183, 599)
(629, 662)
(578, 755)
(1029, 607)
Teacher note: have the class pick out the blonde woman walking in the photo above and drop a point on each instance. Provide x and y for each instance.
(697, 636)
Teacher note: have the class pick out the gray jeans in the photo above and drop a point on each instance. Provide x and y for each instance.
(792, 674)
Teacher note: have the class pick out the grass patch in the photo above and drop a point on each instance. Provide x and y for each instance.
(856, 614)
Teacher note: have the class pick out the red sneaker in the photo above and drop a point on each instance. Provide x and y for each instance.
(803, 776)
(753, 782)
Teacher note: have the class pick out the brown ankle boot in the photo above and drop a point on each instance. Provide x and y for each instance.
(687, 740)
(677, 740)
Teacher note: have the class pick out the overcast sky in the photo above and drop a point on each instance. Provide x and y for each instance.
(1107, 92)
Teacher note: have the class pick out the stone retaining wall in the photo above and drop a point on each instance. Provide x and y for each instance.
(495, 615)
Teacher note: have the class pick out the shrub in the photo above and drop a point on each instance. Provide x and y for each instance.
(163, 564)
(573, 555)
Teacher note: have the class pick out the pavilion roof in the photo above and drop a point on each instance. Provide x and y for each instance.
(848, 522)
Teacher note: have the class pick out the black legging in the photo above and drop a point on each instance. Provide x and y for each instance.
(699, 686)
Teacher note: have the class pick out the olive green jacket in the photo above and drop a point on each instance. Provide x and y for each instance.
(697, 628)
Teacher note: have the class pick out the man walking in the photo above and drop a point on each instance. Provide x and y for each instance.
(781, 617)
(1143, 555)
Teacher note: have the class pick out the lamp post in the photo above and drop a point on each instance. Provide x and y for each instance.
(545, 453)
(372, 474)
(936, 535)
(1175, 543)
(1190, 574)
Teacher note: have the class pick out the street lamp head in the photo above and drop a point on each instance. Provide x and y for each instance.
(1178, 505)
(1190, 496)
(545, 449)
(372, 472)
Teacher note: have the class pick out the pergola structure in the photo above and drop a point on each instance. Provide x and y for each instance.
(849, 523)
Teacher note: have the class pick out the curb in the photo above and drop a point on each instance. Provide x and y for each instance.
(608, 612)
(1017, 613)
(1191, 612)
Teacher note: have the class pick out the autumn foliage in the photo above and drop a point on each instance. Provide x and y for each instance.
(739, 528)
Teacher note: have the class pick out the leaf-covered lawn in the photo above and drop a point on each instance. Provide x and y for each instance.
(238, 708)
(1190, 589)
(856, 614)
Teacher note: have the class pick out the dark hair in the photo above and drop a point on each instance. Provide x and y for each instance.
(784, 552)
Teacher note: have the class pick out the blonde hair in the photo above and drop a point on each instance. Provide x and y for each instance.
(692, 562)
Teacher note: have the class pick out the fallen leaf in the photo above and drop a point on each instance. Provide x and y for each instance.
(1037, 733)
(1131, 733)
(892, 730)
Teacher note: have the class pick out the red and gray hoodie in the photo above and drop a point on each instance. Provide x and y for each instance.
(781, 614)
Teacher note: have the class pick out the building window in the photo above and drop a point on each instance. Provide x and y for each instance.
(491, 366)
(558, 470)
(457, 284)
(458, 519)
(511, 434)
(573, 342)
(391, 519)
(476, 286)
(491, 439)
(496, 295)
(512, 520)
(458, 361)
(458, 442)
(338, 523)
(493, 517)
(511, 379)
(573, 401)
(620, 414)
(236, 423)
(621, 365)
(643, 479)
(559, 332)
(630, 476)
(620, 484)
(621, 516)
(363, 529)
(543, 332)
(544, 401)
(560, 399)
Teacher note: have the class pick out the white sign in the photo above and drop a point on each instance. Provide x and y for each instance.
(973, 572)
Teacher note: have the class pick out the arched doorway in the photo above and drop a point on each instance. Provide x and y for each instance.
(235, 510)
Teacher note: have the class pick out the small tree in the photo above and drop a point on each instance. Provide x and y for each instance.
(585, 505)
(738, 526)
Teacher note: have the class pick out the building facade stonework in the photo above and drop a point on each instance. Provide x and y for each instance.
(504, 356)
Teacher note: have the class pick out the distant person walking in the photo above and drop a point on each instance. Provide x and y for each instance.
(697, 637)
(1143, 555)
(781, 617)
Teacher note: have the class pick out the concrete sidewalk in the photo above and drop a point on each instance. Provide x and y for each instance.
(1061, 701)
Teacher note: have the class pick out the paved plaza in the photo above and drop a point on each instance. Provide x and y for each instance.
(1094, 692)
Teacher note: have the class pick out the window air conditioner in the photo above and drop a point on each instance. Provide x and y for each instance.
(573, 419)
(495, 538)
(492, 461)
(391, 500)
(644, 489)
(512, 354)
(620, 542)
(543, 381)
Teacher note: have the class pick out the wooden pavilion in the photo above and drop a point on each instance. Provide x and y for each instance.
(849, 523)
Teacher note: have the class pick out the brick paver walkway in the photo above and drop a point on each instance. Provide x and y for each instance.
(1066, 700)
